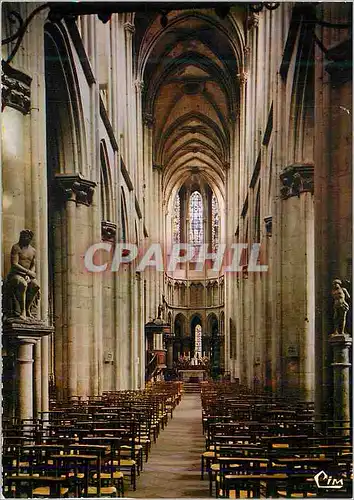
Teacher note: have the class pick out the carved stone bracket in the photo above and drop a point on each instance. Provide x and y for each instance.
(108, 230)
(76, 188)
(16, 91)
(296, 179)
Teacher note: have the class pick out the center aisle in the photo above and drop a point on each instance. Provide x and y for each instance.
(173, 469)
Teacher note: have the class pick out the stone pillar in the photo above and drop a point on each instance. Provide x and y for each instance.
(297, 248)
(75, 190)
(25, 378)
(169, 340)
(341, 344)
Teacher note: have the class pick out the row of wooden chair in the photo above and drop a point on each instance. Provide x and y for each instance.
(86, 448)
(259, 446)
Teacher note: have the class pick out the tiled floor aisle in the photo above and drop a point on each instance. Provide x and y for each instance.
(173, 469)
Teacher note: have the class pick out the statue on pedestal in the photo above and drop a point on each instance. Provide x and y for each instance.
(20, 290)
(341, 298)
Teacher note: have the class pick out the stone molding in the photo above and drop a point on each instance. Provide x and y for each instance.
(296, 179)
(76, 188)
(108, 230)
(16, 89)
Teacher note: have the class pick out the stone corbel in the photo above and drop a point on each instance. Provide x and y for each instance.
(297, 179)
(16, 89)
(76, 188)
(108, 230)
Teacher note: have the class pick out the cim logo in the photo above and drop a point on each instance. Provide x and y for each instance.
(323, 480)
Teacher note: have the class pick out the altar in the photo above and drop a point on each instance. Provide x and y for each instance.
(192, 375)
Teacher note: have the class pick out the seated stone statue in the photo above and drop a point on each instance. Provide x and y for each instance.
(21, 290)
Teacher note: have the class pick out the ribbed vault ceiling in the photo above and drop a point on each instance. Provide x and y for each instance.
(189, 71)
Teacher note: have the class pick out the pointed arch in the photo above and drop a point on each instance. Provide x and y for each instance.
(68, 152)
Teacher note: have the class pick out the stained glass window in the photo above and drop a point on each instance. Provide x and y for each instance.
(176, 223)
(196, 232)
(214, 223)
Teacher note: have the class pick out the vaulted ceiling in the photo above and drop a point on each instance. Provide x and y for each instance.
(190, 73)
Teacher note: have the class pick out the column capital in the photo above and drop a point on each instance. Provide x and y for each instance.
(242, 78)
(74, 187)
(129, 28)
(252, 20)
(139, 85)
(296, 179)
(268, 221)
(247, 50)
(148, 120)
(16, 89)
(108, 230)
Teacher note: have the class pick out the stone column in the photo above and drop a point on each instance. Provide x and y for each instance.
(341, 344)
(25, 378)
(297, 249)
(75, 190)
(169, 347)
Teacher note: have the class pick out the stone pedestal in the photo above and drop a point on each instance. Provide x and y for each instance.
(20, 337)
(341, 344)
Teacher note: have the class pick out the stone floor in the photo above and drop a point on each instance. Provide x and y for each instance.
(173, 468)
